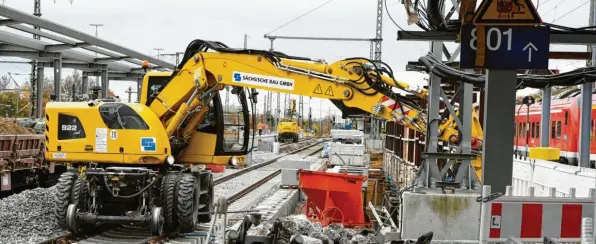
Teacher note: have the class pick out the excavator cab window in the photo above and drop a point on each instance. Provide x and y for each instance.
(230, 122)
(121, 116)
(154, 83)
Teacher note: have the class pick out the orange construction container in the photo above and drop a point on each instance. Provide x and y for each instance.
(333, 197)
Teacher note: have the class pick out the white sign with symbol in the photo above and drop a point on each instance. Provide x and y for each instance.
(529, 47)
(113, 134)
(495, 222)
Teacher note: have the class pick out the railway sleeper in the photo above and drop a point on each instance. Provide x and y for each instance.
(163, 200)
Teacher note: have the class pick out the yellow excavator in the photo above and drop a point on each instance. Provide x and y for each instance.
(155, 158)
(287, 128)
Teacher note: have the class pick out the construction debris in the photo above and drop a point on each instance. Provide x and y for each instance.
(313, 232)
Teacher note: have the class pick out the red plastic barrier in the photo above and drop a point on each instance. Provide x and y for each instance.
(333, 197)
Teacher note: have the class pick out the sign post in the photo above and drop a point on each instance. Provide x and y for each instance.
(506, 35)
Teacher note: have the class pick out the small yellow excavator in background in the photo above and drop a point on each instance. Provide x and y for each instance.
(156, 157)
(288, 128)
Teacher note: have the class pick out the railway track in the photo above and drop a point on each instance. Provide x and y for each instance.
(225, 178)
(138, 235)
(262, 181)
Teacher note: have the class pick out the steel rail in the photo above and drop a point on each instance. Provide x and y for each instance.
(225, 178)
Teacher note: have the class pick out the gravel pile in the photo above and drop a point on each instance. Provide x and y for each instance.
(27, 217)
(10, 127)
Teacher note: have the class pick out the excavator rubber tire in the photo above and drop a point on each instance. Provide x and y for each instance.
(63, 196)
(168, 201)
(206, 198)
(295, 138)
(80, 194)
(187, 205)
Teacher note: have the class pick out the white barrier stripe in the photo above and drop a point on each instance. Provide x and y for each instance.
(537, 240)
(511, 217)
(552, 215)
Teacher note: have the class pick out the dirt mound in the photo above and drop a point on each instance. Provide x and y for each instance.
(10, 127)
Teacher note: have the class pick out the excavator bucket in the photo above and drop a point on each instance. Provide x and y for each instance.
(333, 197)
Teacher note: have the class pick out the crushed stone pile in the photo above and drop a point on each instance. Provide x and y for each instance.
(27, 217)
(13, 127)
(315, 233)
(38, 125)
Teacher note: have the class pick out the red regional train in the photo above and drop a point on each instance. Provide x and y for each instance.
(564, 126)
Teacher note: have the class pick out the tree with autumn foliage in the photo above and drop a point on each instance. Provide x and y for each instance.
(17, 103)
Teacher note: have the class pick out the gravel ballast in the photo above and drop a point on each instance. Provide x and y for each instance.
(27, 217)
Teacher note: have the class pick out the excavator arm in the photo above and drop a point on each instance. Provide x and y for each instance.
(210, 66)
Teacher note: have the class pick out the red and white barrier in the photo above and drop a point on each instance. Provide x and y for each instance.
(533, 218)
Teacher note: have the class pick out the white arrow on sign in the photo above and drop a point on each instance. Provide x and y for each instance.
(529, 47)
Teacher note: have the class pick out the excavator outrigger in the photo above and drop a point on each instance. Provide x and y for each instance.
(155, 158)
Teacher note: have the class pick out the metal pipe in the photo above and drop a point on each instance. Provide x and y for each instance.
(93, 219)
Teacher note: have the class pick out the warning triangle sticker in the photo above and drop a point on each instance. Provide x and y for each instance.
(507, 12)
(318, 90)
(329, 91)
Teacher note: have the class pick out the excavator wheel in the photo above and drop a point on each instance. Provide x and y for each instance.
(168, 201)
(80, 194)
(64, 196)
(188, 194)
(206, 199)
(295, 138)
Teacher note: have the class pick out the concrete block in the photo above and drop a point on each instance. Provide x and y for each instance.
(289, 177)
(346, 149)
(269, 146)
(350, 160)
(347, 135)
(449, 216)
(290, 169)
(374, 144)
(295, 164)
(282, 203)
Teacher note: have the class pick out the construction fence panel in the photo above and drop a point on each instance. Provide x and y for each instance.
(531, 218)
(543, 175)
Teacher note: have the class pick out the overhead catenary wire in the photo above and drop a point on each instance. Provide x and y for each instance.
(297, 18)
(573, 10)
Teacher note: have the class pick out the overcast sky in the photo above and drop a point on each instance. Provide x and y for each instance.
(171, 24)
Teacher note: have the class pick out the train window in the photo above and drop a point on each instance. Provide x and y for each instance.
(69, 127)
(533, 129)
(558, 130)
(566, 117)
(552, 130)
(537, 130)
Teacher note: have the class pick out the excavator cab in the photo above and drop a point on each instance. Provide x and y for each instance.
(224, 136)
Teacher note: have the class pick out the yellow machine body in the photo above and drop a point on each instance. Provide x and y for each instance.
(82, 133)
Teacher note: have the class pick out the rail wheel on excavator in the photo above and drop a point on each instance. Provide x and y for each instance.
(169, 202)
